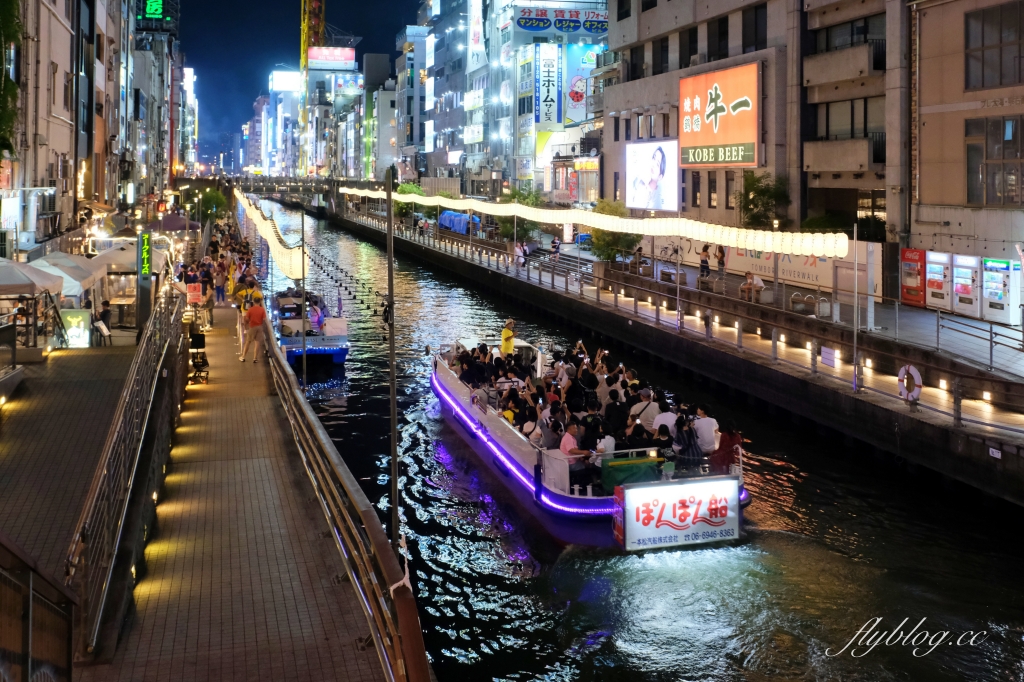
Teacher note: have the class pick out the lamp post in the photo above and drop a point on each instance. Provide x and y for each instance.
(395, 519)
(775, 258)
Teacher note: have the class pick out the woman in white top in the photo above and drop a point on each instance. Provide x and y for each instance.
(531, 429)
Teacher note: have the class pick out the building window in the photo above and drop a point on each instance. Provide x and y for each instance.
(629, 136)
(665, 132)
(526, 105)
(730, 189)
(625, 6)
(615, 186)
(755, 28)
(695, 177)
(993, 46)
(640, 127)
(869, 30)
(659, 63)
(682, 189)
(67, 91)
(718, 39)
(858, 118)
(636, 62)
(993, 161)
(615, 129)
(712, 189)
(687, 47)
(506, 34)
(650, 127)
(648, 4)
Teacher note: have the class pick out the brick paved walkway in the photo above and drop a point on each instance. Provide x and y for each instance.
(241, 585)
(51, 436)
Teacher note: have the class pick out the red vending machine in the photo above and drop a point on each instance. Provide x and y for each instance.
(912, 277)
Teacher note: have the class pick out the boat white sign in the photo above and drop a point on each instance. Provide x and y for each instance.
(673, 513)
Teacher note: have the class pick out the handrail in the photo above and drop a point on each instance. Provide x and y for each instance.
(384, 588)
(90, 557)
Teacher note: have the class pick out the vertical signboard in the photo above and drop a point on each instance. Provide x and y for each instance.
(547, 87)
(477, 53)
(580, 60)
(720, 118)
(144, 288)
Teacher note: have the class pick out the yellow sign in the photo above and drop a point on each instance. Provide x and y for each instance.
(591, 164)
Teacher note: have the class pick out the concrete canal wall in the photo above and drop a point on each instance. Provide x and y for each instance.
(922, 438)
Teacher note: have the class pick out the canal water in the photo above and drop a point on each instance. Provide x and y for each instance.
(835, 537)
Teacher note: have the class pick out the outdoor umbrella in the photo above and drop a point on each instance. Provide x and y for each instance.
(59, 258)
(69, 287)
(21, 279)
(173, 223)
(124, 258)
(83, 273)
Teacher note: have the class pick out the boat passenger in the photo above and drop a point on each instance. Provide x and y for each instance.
(725, 455)
(605, 443)
(591, 422)
(686, 445)
(553, 437)
(508, 338)
(468, 373)
(667, 418)
(615, 413)
(531, 427)
(663, 441)
(579, 459)
(705, 427)
(646, 410)
(636, 436)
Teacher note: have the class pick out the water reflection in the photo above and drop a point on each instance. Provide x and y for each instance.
(835, 537)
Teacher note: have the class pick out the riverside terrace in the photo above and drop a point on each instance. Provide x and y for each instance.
(967, 422)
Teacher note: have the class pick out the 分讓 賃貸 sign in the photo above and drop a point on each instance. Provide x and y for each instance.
(719, 114)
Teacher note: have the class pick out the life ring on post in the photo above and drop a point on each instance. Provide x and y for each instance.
(910, 383)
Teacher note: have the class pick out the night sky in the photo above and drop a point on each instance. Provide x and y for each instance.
(234, 45)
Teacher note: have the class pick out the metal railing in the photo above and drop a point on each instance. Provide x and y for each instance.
(960, 397)
(383, 587)
(90, 558)
(37, 616)
(40, 320)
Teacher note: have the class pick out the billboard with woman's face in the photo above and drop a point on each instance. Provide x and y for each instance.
(652, 178)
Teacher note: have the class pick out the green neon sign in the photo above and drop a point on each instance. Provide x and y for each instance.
(154, 9)
(145, 255)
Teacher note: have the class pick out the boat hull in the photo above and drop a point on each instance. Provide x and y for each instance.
(564, 528)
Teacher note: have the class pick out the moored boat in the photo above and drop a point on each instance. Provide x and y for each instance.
(640, 501)
(326, 336)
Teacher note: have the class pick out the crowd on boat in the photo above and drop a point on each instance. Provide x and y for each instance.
(591, 408)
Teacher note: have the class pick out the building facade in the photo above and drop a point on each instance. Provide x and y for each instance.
(967, 100)
(827, 82)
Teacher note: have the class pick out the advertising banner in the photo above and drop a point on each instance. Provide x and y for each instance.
(78, 324)
(547, 87)
(472, 134)
(673, 513)
(429, 59)
(331, 58)
(474, 99)
(720, 118)
(538, 19)
(580, 60)
(428, 136)
(652, 182)
(348, 84)
(477, 54)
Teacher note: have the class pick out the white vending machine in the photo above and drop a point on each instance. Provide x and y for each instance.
(938, 282)
(1001, 291)
(967, 285)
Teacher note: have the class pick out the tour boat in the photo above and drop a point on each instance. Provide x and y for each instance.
(325, 335)
(652, 511)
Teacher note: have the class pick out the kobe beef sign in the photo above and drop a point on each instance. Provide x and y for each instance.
(719, 117)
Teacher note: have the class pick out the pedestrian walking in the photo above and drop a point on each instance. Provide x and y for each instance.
(254, 318)
(556, 245)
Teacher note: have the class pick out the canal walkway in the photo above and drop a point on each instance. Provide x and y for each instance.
(52, 433)
(244, 580)
(935, 405)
